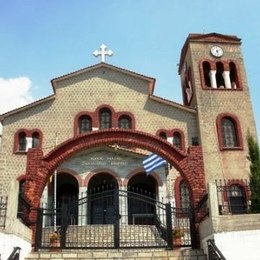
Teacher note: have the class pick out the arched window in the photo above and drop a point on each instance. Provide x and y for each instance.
(35, 140)
(219, 75)
(163, 135)
(206, 71)
(125, 122)
(21, 211)
(184, 195)
(105, 118)
(236, 199)
(233, 75)
(176, 140)
(22, 141)
(85, 124)
(229, 132)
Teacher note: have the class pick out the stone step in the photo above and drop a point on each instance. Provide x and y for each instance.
(130, 254)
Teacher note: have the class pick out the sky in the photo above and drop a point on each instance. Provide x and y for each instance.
(44, 39)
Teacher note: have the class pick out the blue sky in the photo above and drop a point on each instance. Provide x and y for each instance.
(44, 39)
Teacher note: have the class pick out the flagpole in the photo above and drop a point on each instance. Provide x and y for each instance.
(55, 190)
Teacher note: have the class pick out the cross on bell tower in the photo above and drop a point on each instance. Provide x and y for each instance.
(103, 52)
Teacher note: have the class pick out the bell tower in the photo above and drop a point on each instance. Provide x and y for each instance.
(214, 82)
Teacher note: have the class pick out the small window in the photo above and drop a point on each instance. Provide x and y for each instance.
(229, 132)
(20, 211)
(195, 141)
(184, 195)
(177, 140)
(163, 135)
(236, 198)
(35, 140)
(105, 119)
(22, 142)
(125, 122)
(85, 124)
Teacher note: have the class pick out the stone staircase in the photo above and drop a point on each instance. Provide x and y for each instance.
(130, 254)
(101, 236)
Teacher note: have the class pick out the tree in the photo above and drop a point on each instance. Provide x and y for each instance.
(254, 156)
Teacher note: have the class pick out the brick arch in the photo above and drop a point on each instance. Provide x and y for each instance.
(139, 170)
(40, 168)
(102, 170)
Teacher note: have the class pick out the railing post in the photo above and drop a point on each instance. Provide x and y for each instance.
(38, 232)
(169, 225)
(193, 231)
(64, 225)
(116, 219)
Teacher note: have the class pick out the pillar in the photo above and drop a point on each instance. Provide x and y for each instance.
(212, 76)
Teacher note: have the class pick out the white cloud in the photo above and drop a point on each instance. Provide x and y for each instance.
(14, 93)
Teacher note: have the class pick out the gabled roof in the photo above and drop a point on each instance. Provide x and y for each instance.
(150, 80)
(35, 103)
(210, 38)
(100, 65)
(173, 104)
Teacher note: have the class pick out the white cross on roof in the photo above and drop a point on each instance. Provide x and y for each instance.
(103, 52)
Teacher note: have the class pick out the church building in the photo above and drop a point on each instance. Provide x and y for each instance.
(71, 164)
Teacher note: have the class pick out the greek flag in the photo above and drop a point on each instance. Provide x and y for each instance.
(152, 162)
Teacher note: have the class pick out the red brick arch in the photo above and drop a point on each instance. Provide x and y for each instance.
(40, 168)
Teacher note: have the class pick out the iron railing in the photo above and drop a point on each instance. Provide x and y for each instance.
(237, 197)
(15, 255)
(202, 209)
(112, 218)
(109, 219)
(3, 210)
(213, 251)
(182, 222)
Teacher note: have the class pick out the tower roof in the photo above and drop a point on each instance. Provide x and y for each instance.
(209, 38)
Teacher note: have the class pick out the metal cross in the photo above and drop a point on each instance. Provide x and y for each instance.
(103, 52)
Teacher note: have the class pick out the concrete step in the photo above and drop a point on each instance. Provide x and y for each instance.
(130, 254)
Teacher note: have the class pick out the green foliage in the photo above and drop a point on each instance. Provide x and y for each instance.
(178, 233)
(254, 155)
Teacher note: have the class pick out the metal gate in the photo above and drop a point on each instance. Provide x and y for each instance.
(108, 219)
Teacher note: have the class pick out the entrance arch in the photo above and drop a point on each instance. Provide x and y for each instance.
(40, 167)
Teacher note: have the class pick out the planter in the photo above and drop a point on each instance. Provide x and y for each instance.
(177, 241)
(55, 246)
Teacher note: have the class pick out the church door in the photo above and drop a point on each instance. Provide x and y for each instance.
(140, 212)
(101, 203)
(67, 193)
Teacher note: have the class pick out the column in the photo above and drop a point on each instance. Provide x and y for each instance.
(212, 76)
(123, 208)
(82, 210)
(226, 77)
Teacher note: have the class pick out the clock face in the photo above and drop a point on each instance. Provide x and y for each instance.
(216, 51)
